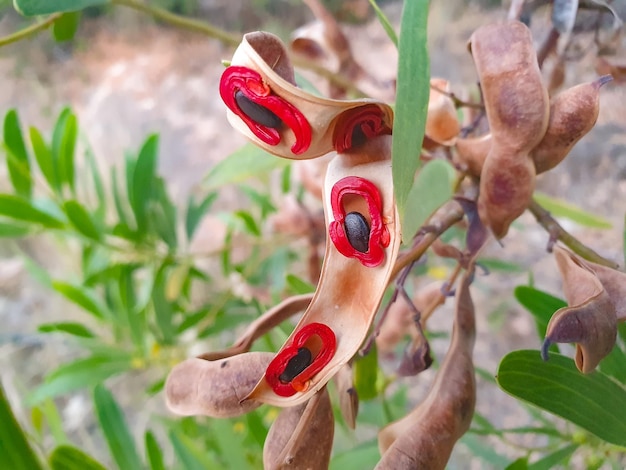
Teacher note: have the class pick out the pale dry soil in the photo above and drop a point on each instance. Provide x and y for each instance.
(127, 78)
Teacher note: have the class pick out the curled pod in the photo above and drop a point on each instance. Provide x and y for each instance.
(442, 124)
(301, 436)
(426, 436)
(471, 153)
(215, 388)
(573, 113)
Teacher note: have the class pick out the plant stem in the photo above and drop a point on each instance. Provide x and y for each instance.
(29, 30)
(557, 232)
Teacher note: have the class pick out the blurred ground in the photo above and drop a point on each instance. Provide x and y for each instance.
(126, 77)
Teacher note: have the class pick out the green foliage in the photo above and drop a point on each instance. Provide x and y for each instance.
(560, 208)
(44, 7)
(66, 26)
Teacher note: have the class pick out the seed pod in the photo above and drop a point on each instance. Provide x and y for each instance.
(302, 436)
(425, 437)
(348, 396)
(471, 153)
(442, 124)
(257, 112)
(517, 107)
(215, 388)
(358, 231)
(572, 114)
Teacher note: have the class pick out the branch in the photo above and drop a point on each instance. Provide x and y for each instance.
(557, 232)
(29, 31)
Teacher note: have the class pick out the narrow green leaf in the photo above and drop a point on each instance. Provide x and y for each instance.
(386, 24)
(15, 451)
(519, 464)
(592, 401)
(411, 99)
(189, 454)
(154, 456)
(71, 328)
(552, 460)
(163, 309)
(45, 7)
(79, 374)
(484, 450)
(55, 422)
(560, 208)
(495, 264)
(11, 230)
(66, 26)
(17, 157)
(162, 213)
(64, 146)
(83, 297)
(247, 162)
(230, 444)
(249, 222)
(432, 188)
(366, 375)
(256, 427)
(195, 213)
(70, 458)
(81, 219)
(19, 208)
(614, 365)
(365, 455)
(97, 184)
(143, 179)
(540, 304)
(43, 155)
(298, 285)
(116, 432)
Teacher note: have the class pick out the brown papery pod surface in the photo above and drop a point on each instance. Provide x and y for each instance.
(517, 107)
(424, 439)
(442, 124)
(573, 113)
(348, 396)
(215, 388)
(614, 282)
(471, 153)
(589, 320)
(302, 436)
(319, 120)
(349, 293)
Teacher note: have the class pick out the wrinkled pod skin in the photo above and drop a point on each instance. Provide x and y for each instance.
(215, 388)
(517, 107)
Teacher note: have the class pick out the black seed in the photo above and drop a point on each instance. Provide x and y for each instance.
(256, 112)
(296, 364)
(357, 231)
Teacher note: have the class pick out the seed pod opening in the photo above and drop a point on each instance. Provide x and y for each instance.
(256, 112)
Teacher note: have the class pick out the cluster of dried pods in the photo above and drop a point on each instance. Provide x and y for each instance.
(528, 135)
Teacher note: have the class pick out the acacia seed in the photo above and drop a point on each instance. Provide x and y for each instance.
(357, 231)
(295, 365)
(256, 112)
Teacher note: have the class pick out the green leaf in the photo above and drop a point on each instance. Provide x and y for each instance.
(19, 208)
(11, 230)
(70, 458)
(17, 156)
(45, 7)
(592, 401)
(247, 162)
(366, 375)
(116, 432)
(540, 304)
(43, 155)
(189, 454)
(71, 328)
(163, 310)
(154, 456)
(484, 450)
(15, 451)
(98, 185)
(386, 24)
(298, 285)
(83, 297)
(249, 222)
(195, 213)
(495, 264)
(614, 364)
(519, 464)
(411, 99)
(162, 213)
(560, 208)
(82, 373)
(365, 455)
(81, 219)
(54, 420)
(230, 444)
(143, 180)
(432, 188)
(64, 145)
(66, 26)
(552, 460)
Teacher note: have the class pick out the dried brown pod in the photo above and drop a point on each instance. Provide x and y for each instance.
(425, 437)
(215, 388)
(572, 114)
(517, 107)
(471, 153)
(590, 319)
(442, 124)
(348, 396)
(302, 436)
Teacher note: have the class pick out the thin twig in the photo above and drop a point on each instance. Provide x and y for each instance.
(29, 30)
(557, 232)
(458, 103)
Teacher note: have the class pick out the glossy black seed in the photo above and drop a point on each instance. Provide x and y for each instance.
(357, 231)
(295, 365)
(256, 112)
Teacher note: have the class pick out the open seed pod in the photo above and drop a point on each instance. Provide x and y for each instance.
(425, 437)
(517, 107)
(442, 124)
(348, 396)
(215, 388)
(589, 320)
(265, 105)
(363, 243)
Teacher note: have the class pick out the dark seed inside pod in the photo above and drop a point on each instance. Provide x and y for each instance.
(357, 231)
(256, 112)
(295, 365)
